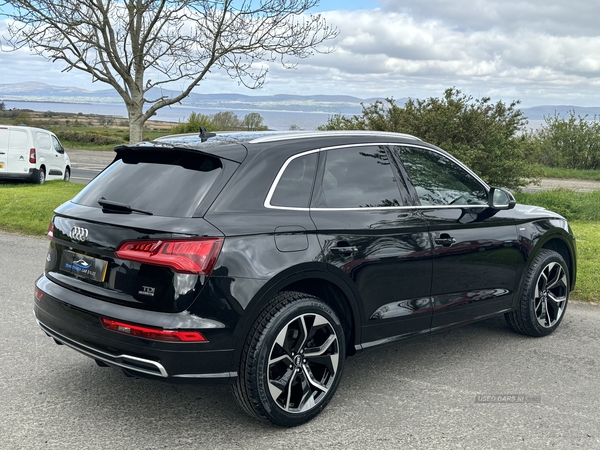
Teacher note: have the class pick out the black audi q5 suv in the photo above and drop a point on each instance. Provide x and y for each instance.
(265, 260)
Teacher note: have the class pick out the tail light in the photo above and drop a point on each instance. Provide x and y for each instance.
(39, 294)
(156, 334)
(196, 256)
(50, 232)
(32, 157)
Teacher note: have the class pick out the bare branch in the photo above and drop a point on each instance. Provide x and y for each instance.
(119, 41)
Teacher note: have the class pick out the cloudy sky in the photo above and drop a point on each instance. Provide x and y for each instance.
(539, 51)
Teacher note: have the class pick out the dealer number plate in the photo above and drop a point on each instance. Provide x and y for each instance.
(83, 266)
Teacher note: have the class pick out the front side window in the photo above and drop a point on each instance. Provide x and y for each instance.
(358, 177)
(438, 180)
(57, 145)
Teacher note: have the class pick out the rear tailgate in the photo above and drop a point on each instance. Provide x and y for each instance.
(82, 257)
(135, 235)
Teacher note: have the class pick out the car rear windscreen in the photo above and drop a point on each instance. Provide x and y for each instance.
(164, 183)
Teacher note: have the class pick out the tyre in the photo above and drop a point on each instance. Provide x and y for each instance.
(292, 361)
(67, 174)
(544, 296)
(41, 179)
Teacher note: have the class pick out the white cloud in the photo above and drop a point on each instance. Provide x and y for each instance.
(539, 51)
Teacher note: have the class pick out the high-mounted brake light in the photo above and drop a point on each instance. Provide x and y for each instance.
(156, 334)
(32, 158)
(196, 256)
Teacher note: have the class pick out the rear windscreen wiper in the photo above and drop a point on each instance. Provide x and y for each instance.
(111, 205)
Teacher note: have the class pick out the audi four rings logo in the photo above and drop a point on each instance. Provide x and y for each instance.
(78, 234)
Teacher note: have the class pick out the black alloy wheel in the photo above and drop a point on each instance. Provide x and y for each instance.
(544, 297)
(293, 360)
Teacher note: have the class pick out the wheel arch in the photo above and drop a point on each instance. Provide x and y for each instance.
(559, 246)
(558, 238)
(314, 280)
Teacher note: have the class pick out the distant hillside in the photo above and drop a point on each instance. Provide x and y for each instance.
(539, 112)
(41, 89)
(329, 104)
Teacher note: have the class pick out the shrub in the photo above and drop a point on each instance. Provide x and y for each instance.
(221, 121)
(570, 143)
(488, 137)
(193, 124)
(254, 122)
(89, 137)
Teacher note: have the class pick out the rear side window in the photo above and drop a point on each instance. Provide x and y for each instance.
(172, 184)
(358, 177)
(295, 185)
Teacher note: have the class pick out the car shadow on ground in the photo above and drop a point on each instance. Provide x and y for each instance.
(107, 396)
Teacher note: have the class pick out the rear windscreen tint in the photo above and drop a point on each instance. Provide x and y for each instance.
(172, 183)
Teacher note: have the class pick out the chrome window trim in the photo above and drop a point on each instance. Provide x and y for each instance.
(377, 208)
(400, 208)
(267, 202)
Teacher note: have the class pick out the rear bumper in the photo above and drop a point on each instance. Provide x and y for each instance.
(32, 175)
(59, 313)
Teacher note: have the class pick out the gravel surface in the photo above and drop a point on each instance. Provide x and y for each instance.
(569, 183)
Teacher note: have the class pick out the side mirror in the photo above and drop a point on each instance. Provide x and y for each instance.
(501, 199)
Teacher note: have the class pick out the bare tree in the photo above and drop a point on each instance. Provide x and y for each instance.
(125, 42)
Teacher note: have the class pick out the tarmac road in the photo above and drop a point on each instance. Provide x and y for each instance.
(413, 394)
(86, 164)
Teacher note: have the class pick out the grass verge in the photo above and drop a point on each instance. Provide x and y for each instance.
(583, 206)
(27, 209)
(588, 264)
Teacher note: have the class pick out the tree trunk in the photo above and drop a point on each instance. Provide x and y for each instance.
(136, 125)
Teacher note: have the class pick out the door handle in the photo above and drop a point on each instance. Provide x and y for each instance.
(445, 240)
(343, 251)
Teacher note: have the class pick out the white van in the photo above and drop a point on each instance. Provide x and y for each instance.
(28, 153)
